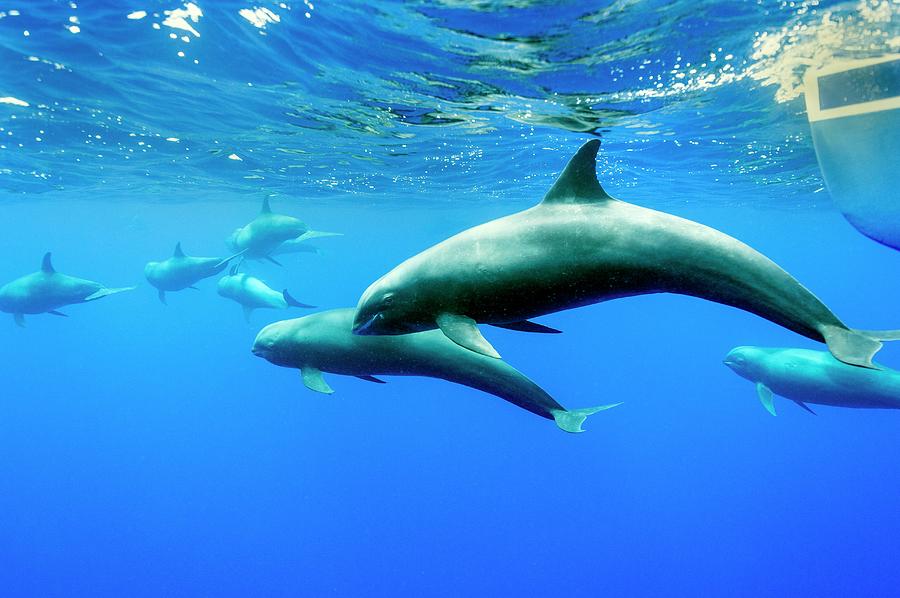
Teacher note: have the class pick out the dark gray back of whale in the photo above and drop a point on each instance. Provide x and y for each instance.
(581, 246)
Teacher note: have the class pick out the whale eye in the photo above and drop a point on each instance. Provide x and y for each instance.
(388, 299)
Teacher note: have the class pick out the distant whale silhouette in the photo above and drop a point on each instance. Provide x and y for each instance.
(297, 245)
(182, 271)
(265, 233)
(46, 290)
(580, 246)
(324, 342)
(252, 293)
(815, 377)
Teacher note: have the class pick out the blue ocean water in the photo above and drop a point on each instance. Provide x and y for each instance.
(144, 451)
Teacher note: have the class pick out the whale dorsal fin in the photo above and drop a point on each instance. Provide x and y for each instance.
(178, 252)
(266, 208)
(578, 182)
(46, 265)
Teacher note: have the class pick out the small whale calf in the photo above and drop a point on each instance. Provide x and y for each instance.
(265, 233)
(324, 342)
(581, 246)
(814, 377)
(46, 290)
(252, 293)
(182, 271)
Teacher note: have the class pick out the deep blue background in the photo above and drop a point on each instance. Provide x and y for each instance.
(145, 452)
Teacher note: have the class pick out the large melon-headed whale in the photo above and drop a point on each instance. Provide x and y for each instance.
(816, 377)
(46, 290)
(252, 293)
(265, 233)
(581, 246)
(297, 245)
(182, 271)
(324, 342)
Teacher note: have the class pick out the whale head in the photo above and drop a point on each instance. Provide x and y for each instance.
(270, 343)
(153, 272)
(747, 362)
(232, 241)
(386, 308)
(288, 343)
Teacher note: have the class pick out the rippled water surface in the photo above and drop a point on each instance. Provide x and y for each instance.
(432, 100)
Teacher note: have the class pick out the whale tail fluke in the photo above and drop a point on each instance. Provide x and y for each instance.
(857, 347)
(571, 420)
(107, 292)
(289, 299)
(317, 234)
(222, 263)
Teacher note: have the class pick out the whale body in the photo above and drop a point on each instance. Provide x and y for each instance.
(252, 293)
(297, 245)
(46, 290)
(265, 233)
(324, 342)
(182, 271)
(814, 377)
(581, 246)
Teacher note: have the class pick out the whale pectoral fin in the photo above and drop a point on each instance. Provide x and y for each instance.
(528, 326)
(58, 313)
(571, 420)
(463, 331)
(805, 406)
(162, 297)
(313, 380)
(19, 320)
(372, 379)
(766, 397)
(248, 311)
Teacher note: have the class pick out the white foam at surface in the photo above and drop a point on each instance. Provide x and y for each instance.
(259, 17)
(178, 18)
(13, 101)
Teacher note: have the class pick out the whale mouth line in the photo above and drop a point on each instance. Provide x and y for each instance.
(366, 327)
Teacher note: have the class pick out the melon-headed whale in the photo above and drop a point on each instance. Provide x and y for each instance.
(265, 233)
(815, 377)
(581, 246)
(324, 342)
(46, 290)
(297, 245)
(182, 271)
(252, 293)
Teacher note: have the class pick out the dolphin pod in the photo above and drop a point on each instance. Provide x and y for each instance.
(324, 342)
(252, 293)
(581, 246)
(815, 377)
(577, 247)
(46, 290)
(182, 271)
